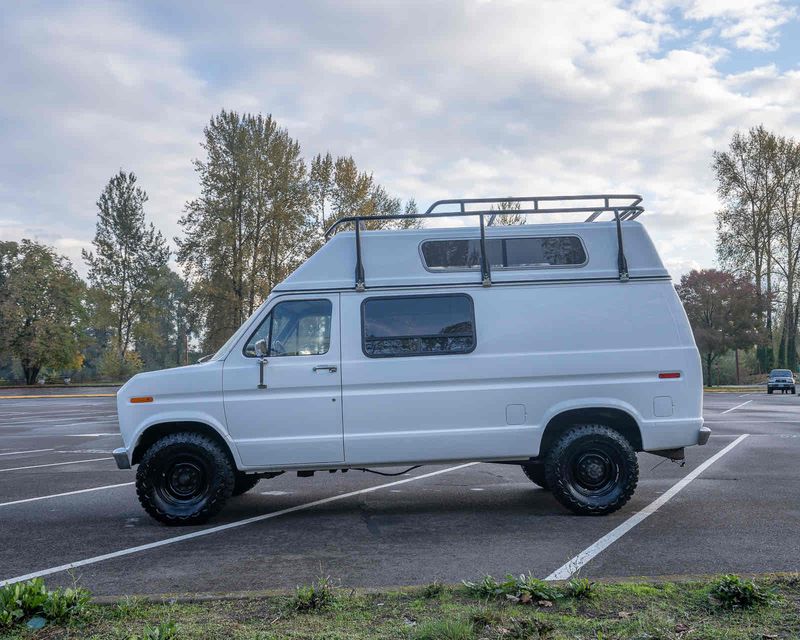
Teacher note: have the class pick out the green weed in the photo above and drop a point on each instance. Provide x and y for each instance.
(732, 592)
(315, 596)
(24, 600)
(445, 630)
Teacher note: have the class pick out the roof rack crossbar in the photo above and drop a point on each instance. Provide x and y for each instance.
(629, 209)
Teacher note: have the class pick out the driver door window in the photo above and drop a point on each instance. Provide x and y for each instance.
(295, 328)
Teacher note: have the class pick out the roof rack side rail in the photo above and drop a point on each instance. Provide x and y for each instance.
(624, 207)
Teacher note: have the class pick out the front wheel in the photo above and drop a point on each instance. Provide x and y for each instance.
(592, 470)
(184, 478)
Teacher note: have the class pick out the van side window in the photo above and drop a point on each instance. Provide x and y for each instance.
(417, 325)
(295, 328)
(504, 253)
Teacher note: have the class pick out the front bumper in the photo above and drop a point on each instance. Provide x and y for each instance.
(121, 458)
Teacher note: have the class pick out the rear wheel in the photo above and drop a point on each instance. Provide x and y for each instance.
(184, 478)
(244, 483)
(535, 473)
(592, 470)
(769, 391)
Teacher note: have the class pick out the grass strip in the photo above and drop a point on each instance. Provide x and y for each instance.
(723, 607)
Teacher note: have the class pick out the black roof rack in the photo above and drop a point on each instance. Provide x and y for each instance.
(622, 206)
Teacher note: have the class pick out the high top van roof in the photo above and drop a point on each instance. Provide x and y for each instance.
(395, 258)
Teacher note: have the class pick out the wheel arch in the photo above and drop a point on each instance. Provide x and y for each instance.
(155, 431)
(615, 418)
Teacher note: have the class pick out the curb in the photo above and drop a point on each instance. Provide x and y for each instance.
(197, 598)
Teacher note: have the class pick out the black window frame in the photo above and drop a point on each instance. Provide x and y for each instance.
(495, 267)
(424, 353)
(269, 333)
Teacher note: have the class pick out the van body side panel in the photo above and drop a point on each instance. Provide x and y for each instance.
(540, 350)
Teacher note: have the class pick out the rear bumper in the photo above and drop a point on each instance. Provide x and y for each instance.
(121, 458)
(673, 434)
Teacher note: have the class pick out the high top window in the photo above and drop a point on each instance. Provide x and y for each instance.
(504, 253)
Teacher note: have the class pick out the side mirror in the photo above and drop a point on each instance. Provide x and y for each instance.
(261, 348)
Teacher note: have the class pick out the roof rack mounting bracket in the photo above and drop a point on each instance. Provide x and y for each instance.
(486, 270)
(360, 285)
(622, 262)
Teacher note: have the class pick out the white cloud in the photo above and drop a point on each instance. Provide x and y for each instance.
(438, 100)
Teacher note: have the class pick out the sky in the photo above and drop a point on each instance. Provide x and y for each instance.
(438, 99)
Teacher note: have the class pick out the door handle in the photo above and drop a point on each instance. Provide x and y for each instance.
(326, 367)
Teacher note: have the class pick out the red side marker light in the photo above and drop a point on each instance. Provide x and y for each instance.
(669, 374)
(140, 399)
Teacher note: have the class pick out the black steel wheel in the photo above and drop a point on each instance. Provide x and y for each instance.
(184, 478)
(244, 482)
(592, 470)
(535, 473)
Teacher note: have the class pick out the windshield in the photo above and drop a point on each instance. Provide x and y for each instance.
(778, 373)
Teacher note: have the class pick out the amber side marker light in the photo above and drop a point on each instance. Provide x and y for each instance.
(668, 375)
(140, 399)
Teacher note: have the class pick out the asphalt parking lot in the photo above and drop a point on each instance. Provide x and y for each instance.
(734, 507)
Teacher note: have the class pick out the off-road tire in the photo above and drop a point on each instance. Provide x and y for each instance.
(535, 473)
(244, 482)
(572, 464)
(184, 478)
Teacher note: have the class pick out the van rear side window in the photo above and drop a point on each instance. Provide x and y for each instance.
(417, 325)
(504, 253)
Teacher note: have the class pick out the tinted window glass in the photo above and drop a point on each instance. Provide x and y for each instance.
(295, 328)
(508, 253)
(413, 326)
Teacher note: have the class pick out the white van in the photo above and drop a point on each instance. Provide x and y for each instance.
(562, 348)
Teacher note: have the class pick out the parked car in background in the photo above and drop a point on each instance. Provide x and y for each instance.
(781, 380)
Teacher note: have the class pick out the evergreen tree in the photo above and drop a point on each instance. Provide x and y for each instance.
(128, 256)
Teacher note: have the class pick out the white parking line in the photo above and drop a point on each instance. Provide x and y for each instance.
(222, 527)
(54, 464)
(566, 570)
(738, 406)
(16, 453)
(67, 493)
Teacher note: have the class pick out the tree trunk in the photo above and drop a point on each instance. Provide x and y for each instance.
(708, 369)
(736, 355)
(31, 373)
